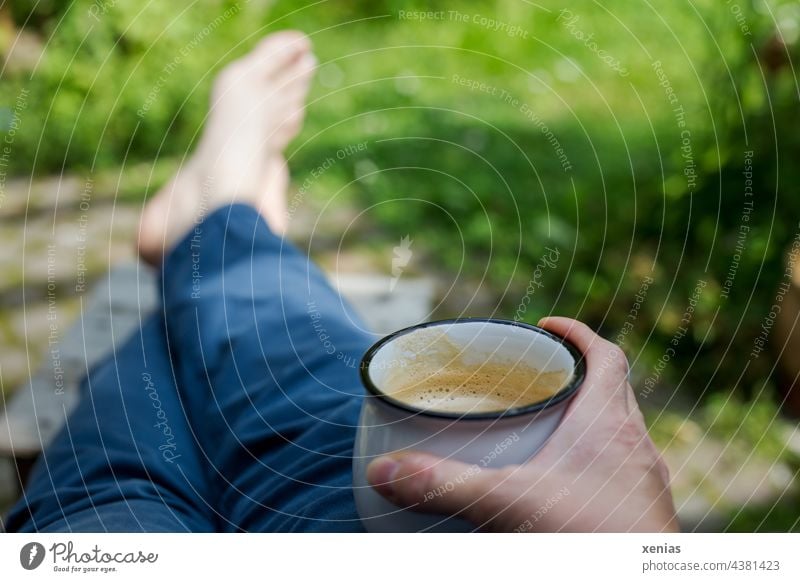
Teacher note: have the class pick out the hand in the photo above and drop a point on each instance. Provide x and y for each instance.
(598, 472)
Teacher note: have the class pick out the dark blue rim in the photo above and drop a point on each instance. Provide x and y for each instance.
(565, 393)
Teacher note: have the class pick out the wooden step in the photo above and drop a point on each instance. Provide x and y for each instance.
(112, 311)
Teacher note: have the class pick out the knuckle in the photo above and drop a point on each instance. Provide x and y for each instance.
(633, 435)
(612, 363)
(617, 356)
(662, 468)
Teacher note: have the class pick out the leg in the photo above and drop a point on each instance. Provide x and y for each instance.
(268, 356)
(267, 351)
(126, 460)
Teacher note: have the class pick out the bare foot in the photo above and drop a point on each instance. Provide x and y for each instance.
(257, 107)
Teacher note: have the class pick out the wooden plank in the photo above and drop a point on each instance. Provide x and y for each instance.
(113, 310)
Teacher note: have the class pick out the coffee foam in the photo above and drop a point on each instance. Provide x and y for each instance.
(443, 380)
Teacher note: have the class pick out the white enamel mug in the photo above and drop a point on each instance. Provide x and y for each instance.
(485, 440)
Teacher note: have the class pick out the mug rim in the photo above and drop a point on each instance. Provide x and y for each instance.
(566, 392)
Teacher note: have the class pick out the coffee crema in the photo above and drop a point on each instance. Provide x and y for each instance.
(476, 388)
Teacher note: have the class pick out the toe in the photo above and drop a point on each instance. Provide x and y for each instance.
(279, 50)
(294, 86)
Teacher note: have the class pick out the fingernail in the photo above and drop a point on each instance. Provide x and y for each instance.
(381, 475)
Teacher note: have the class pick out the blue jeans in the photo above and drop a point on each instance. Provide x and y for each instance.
(233, 408)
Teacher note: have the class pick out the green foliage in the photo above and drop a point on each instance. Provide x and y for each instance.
(778, 517)
(755, 428)
(554, 149)
(756, 425)
(105, 61)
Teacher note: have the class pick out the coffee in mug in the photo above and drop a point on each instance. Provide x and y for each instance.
(442, 382)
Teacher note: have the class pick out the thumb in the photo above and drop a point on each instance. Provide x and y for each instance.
(426, 483)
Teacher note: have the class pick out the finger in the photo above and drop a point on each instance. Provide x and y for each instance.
(606, 364)
(585, 339)
(430, 484)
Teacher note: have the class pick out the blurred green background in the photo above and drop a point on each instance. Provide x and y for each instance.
(474, 172)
